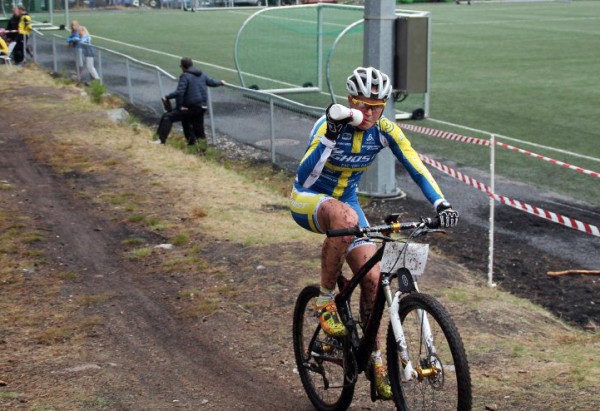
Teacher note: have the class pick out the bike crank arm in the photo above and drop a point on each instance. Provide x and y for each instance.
(328, 358)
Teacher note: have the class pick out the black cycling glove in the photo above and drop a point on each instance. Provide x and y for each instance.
(448, 217)
(334, 127)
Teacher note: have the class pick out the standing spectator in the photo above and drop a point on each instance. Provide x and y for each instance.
(13, 25)
(80, 39)
(12, 28)
(191, 97)
(71, 42)
(24, 29)
(88, 51)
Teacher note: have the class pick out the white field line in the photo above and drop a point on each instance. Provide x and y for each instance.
(163, 12)
(557, 150)
(204, 63)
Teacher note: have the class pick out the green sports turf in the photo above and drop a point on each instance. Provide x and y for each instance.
(525, 70)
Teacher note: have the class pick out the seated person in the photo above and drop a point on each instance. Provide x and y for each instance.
(3, 44)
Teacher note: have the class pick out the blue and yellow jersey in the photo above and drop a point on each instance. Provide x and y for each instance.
(335, 167)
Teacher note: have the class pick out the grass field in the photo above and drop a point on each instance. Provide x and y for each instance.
(528, 71)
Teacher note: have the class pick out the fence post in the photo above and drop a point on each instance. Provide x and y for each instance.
(100, 65)
(272, 115)
(492, 209)
(212, 118)
(54, 60)
(129, 89)
(78, 60)
(34, 41)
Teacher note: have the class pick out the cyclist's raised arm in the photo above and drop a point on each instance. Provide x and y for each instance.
(316, 155)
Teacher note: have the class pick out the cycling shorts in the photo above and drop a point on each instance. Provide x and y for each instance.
(305, 203)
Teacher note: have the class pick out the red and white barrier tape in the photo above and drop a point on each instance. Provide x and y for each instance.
(472, 140)
(456, 174)
(548, 159)
(548, 215)
(444, 134)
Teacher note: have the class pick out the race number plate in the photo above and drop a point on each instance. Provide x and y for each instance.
(414, 260)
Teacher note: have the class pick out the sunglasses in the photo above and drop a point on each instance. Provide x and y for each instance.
(363, 105)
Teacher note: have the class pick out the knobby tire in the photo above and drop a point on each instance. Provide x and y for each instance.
(305, 324)
(448, 390)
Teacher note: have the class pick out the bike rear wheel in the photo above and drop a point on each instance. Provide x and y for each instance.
(444, 381)
(320, 359)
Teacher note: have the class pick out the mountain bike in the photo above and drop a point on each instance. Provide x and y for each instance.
(426, 360)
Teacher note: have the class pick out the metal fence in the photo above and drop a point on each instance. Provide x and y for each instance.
(266, 121)
(137, 81)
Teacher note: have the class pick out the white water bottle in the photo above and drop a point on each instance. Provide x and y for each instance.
(339, 112)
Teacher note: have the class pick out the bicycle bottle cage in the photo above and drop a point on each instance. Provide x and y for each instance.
(406, 283)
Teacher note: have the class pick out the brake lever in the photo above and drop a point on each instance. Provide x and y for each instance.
(426, 230)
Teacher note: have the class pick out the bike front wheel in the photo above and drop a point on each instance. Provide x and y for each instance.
(322, 361)
(437, 377)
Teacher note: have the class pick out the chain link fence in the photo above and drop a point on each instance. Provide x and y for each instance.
(274, 124)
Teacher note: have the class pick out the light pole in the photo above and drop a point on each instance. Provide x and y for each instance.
(380, 15)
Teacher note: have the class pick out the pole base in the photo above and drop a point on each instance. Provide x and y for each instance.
(395, 195)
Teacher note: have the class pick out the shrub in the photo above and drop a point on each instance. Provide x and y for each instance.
(97, 91)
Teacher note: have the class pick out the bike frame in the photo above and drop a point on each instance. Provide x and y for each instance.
(363, 348)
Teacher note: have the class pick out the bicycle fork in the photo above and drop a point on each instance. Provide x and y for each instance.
(409, 372)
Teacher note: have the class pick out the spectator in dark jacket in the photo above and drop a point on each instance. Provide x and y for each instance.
(12, 27)
(191, 98)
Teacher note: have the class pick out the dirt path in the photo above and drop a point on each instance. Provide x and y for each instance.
(145, 357)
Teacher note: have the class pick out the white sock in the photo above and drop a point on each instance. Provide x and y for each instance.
(377, 359)
(325, 295)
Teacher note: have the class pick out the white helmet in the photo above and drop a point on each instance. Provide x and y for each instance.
(364, 79)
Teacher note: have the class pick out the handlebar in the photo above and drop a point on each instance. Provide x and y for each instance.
(356, 231)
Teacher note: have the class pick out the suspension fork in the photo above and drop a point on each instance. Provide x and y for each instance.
(426, 333)
(409, 371)
(393, 302)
